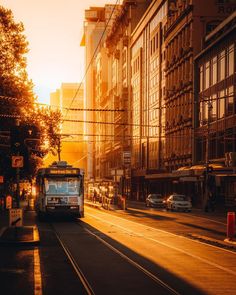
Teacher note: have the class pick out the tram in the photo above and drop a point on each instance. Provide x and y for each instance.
(60, 191)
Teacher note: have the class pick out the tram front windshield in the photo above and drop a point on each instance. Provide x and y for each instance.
(65, 186)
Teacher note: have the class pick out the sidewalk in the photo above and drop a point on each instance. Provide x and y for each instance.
(27, 234)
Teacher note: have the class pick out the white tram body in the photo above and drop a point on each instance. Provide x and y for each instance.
(60, 190)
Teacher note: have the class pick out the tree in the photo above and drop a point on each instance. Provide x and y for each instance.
(48, 123)
(16, 90)
(38, 126)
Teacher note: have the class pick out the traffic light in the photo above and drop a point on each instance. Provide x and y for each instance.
(16, 139)
(23, 136)
(30, 132)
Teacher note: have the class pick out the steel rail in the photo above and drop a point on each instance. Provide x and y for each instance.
(161, 230)
(75, 266)
(138, 266)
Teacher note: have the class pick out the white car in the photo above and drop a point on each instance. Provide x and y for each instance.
(178, 202)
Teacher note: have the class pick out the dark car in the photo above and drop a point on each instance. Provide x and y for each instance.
(155, 200)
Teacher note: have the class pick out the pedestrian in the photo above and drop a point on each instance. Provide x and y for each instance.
(94, 196)
(211, 202)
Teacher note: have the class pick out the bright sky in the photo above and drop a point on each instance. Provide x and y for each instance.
(54, 29)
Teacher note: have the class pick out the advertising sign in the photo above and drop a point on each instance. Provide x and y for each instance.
(8, 202)
(15, 217)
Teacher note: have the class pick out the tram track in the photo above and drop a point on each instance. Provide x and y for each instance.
(89, 290)
(127, 239)
(138, 266)
(167, 289)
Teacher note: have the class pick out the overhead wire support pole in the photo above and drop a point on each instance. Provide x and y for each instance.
(206, 188)
(18, 176)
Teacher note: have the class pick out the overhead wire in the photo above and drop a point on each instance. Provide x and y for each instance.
(94, 53)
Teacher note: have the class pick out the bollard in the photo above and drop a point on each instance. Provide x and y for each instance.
(230, 225)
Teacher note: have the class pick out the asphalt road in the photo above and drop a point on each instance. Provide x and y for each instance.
(137, 251)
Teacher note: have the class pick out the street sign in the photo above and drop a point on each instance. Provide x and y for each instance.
(15, 217)
(17, 161)
(127, 158)
(8, 202)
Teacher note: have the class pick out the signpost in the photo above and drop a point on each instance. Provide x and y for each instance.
(17, 161)
(126, 158)
(15, 217)
(8, 202)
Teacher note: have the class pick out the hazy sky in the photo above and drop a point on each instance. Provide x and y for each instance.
(54, 30)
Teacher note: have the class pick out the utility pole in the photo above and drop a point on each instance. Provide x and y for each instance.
(206, 189)
(18, 175)
(59, 148)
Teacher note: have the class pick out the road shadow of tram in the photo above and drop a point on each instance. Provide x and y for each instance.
(100, 258)
(57, 219)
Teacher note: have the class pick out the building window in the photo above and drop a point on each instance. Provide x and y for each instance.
(221, 105)
(214, 107)
(214, 70)
(207, 75)
(230, 101)
(231, 60)
(222, 65)
(201, 79)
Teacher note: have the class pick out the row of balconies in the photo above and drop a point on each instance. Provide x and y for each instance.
(178, 88)
(176, 13)
(178, 124)
(177, 59)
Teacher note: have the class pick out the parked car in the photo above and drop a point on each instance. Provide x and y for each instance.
(178, 202)
(155, 200)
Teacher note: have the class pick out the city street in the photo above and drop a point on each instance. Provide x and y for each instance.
(136, 251)
(118, 147)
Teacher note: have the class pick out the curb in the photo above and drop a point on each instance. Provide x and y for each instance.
(230, 241)
(224, 243)
(31, 242)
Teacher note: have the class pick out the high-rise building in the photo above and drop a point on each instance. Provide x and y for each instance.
(187, 24)
(69, 99)
(147, 81)
(98, 21)
(215, 112)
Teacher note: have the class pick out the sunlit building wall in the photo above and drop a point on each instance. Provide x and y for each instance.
(97, 22)
(69, 98)
(148, 82)
(187, 24)
(119, 89)
(215, 112)
(104, 130)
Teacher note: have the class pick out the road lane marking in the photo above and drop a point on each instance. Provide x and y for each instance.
(159, 230)
(37, 274)
(148, 273)
(172, 247)
(157, 213)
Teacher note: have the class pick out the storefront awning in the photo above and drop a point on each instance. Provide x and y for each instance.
(159, 175)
